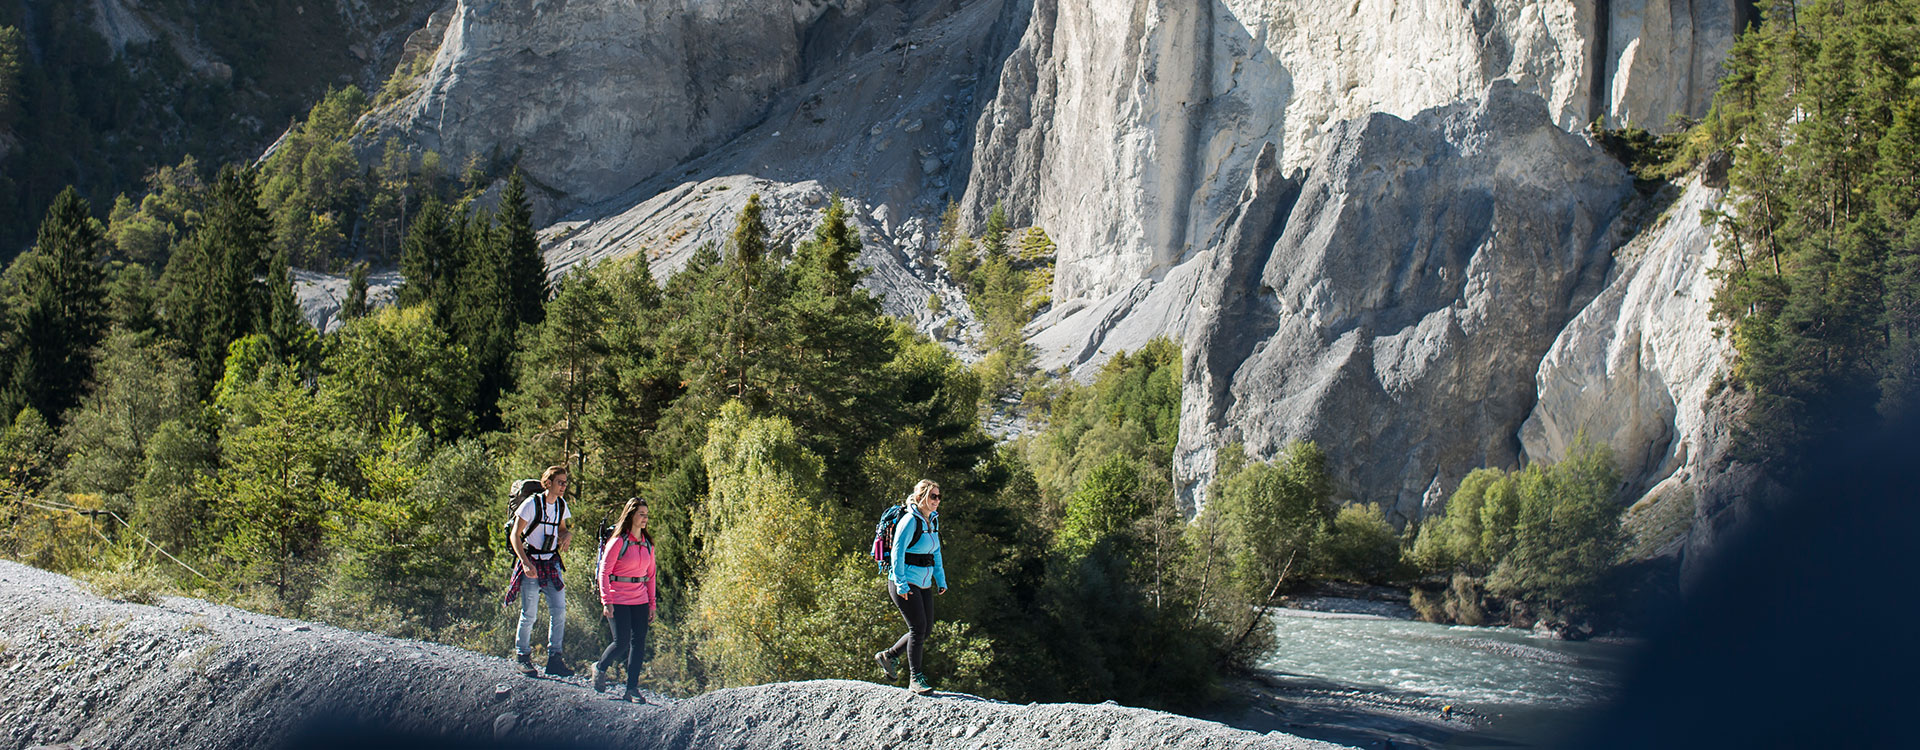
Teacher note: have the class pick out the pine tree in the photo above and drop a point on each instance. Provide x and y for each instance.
(10, 49)
(753, 292)
(993, 237)
(355, 305)
(840, 350)
(480, 315)
(60, 312)
(526, 268)
(428, 256)
(1817, 281)
(562, 374)
(624, 421)
(293, 340)
(214, 293)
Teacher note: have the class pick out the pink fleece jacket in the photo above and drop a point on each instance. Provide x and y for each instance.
(637, 562)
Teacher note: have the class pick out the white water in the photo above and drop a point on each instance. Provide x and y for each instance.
(1490, 667)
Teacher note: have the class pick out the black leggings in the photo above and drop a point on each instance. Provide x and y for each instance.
(630, 623)
(918, 609)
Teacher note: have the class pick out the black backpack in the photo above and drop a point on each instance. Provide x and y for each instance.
(518, 492)
(883, 536)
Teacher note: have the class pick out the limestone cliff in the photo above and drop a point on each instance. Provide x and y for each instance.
(1635, 369)
(1126, 129)
(1396, 310)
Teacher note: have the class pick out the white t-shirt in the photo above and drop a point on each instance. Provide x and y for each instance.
(537, 535)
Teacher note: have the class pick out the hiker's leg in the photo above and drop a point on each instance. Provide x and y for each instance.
(529, 608)
(637, 655)
(622, 632)
(900, 647)
(925, 597)
(556, 618)
(918, 610)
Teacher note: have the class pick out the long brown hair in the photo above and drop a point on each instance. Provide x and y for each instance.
(621, 526)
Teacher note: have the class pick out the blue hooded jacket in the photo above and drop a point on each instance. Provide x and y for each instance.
(902, 575)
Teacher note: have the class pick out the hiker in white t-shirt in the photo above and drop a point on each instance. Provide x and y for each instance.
(542, 527)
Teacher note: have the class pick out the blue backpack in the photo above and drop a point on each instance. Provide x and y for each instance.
(883, 536)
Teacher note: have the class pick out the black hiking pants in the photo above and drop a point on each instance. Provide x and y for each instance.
(630, 623)
(918, 609)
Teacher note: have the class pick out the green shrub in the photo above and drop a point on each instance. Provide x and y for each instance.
(1546, 535)
(1361, 546)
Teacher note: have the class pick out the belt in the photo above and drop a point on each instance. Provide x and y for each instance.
(919, 560)
(631, 579)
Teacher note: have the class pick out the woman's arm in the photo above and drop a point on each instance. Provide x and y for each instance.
(939, 565)
(653, 583)
(607, 558)
(902, 533)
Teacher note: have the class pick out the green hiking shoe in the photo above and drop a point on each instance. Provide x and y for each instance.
(920, 684)
(888, 664)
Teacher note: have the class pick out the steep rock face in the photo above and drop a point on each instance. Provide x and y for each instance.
(1397, 309)
(1633, 370)
(1128, 131)
(881, 120)
(596, 95)
(1663, 57)
(1125, 129)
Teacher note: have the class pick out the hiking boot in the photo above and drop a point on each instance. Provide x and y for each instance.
(633, 695)
(888, 664)
(556, 667)
(919, 684)
(599, 677)
(526, 665)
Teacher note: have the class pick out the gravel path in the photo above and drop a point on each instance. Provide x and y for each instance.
(85, 672)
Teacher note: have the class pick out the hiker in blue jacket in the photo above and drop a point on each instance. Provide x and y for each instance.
(917, 573)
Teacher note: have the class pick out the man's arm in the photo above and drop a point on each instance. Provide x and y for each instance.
(566, 534)
(518, 540)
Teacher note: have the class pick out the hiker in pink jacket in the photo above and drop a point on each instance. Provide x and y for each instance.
(628, 591)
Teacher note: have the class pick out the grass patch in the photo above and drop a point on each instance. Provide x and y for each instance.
(127, 582)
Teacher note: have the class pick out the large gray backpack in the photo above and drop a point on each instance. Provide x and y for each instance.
(518, 492)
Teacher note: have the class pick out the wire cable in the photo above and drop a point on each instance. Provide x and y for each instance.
(55, 505)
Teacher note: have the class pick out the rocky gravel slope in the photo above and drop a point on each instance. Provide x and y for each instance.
(83, 671)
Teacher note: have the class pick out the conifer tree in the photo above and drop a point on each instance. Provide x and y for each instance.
(753, 291)
(841, 347)
(428, 257)
(10, 49)
(642, 383)
(1817, 284)
(526, 269)
(293, 340)
(131, 299)
(355, 305)
(481, 316)
(60, 311)
(563, 373)
(214, 293)
(993, 237)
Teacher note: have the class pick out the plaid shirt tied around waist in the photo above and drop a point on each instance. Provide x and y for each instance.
(550, 570)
